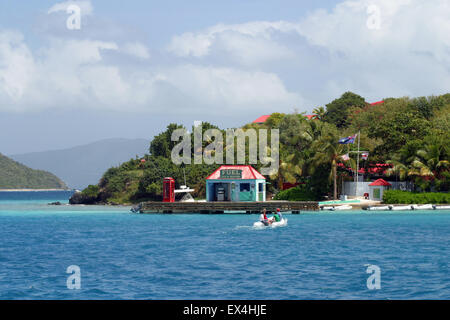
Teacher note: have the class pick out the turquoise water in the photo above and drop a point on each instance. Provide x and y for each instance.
(131, 256)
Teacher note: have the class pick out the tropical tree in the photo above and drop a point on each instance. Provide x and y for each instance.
(288, 170)
(337, 110)
(431, 161)
(328, 151)
(319, 112)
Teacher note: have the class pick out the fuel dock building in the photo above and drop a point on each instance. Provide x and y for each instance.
(236, 183)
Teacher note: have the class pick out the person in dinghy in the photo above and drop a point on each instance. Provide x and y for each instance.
(263, 218)
(277, 217)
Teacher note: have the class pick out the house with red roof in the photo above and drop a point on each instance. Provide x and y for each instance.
(377, 188)
(262, 119)
(236, 183)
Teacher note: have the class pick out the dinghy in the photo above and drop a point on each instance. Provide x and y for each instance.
(422, 207)
(380, 208)
(345, 207)
(401, 208)
(261, 224)
(441, 207)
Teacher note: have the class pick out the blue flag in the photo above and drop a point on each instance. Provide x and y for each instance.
(347, 140)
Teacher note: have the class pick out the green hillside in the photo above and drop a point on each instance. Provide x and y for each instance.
(14, 175)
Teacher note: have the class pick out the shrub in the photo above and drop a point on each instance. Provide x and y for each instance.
(405, 197)
(299, 193)
(91, 191)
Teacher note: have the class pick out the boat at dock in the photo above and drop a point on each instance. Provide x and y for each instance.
(336, 208)
(409, 207)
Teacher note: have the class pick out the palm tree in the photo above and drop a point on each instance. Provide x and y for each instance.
(428, 163)
(328, 151)
(289, 167)
(319, 112)
(398, 168)
(431, 161)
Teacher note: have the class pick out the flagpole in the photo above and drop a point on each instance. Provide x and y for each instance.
(357, 164)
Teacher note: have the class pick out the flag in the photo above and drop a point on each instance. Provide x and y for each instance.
(345, 157)
(347, 140)
(365, 155)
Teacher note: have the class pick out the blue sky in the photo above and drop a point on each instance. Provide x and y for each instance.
(134, 68)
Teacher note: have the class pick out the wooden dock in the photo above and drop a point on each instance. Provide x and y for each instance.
(227, 207)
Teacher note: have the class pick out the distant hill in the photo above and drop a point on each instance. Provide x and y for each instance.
(14, 175)
(83, 165)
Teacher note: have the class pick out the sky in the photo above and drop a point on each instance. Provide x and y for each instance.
(132, 68)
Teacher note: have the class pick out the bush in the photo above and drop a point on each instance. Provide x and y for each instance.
(299, 193)
(90, 195)
(405, 197)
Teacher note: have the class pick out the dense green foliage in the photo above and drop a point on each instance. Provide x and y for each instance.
(337, 111)
(299, 193)
(14, 175)
(410, 134)
(405, 197)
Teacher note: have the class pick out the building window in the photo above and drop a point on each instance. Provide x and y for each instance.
(261, 187)
(245, 187)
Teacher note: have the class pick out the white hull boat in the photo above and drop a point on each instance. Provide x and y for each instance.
(441, 207)
(401, 208)
(381, 208)
(260, 224)
(346, 207)
(422, 207)
(334, 208)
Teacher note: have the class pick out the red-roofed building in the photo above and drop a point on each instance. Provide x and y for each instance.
(236, 183)
(378, 102)
(380, 182)
(262, 119)
(377, 188)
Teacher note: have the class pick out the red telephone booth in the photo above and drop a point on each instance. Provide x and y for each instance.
(169, 190)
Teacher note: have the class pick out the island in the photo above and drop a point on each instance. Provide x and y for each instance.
(15, 176)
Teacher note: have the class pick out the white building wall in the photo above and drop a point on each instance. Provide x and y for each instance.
(350, 188)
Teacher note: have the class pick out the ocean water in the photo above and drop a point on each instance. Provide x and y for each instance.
(132, 256)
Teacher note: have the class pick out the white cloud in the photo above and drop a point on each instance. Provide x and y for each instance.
(250, 43)
(136, 49)
(254, 68)
(16, 66)
(228, 91)
(69, 73)
(335, 51)
(85, 6)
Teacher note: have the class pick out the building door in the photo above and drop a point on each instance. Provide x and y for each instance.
(260, 191)
(377, 193)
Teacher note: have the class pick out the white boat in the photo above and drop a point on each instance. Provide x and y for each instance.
(260, 224)
(345, 207)
(401, 208)
(380, 208)
(422, 207)
(329, 208)
(441, 207)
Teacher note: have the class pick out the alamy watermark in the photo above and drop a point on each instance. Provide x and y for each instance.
(73, 22)
(374, 280)
(374, 17)
(234, 142)
(74, 280)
